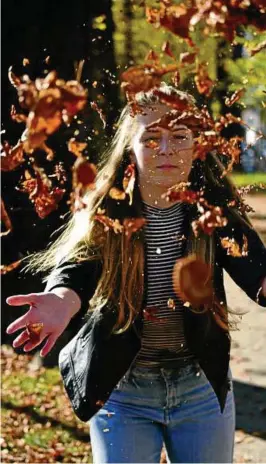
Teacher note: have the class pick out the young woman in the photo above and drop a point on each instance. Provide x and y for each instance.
(158, 372)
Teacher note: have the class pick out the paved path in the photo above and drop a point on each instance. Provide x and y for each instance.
(248, 362)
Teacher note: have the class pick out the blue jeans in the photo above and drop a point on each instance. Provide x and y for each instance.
(155, 406)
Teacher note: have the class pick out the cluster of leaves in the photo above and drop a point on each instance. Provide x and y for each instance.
(220, 17)
(38, 424)
(47, 103)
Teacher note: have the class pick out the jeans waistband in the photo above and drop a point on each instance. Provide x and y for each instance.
(181, 367)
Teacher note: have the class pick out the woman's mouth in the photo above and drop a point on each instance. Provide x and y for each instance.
(166, 166)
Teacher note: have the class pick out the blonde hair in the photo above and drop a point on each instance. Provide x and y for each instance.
(122, 279)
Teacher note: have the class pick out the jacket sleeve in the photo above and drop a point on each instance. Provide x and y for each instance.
(82, 277)
(249, 271)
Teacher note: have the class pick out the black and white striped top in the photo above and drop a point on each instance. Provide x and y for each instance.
(163, 339)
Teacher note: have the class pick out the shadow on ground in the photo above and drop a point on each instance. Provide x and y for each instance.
(250, 408)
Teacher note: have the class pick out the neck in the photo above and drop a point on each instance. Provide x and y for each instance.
(152, 195)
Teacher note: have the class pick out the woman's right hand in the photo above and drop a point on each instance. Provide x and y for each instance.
(53, 309)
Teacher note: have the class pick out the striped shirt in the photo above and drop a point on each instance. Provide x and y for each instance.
(163, 339)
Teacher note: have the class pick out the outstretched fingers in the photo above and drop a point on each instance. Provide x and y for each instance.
(50, 342)
(22, 338)
(19, 323)
(19, 300)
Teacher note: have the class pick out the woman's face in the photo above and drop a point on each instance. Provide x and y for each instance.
(163, 156)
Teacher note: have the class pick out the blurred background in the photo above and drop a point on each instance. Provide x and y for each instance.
(109, 36)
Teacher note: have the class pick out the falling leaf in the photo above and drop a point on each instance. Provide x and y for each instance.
(100, 112)
(235, 97)
(41, 194)
(132, 225)
(76, 147)
(187, 58)
(166, 49)
(180, 192)
(176, 79)
(203, 81)
(171, 303)
(151, 56)
(233, 248)
(117, 194)
(192, 281)
(129, 181)
(26, 61)
(14, 80)
(17, 117)
(5, 219)
(151, 314)
(142, 78)
(209, 221)
(261, 46)
(49, 102)
(109, 223)
(175, 18)
(34, 331)
(4, 269)
(11, 157)
(84, 173)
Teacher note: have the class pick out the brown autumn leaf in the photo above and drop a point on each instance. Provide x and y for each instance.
(209, 220)
(152, 56)
(187, 58)
(261, 46)
(5, 268)
(233, 248)
(41, 193)
(171, 304)
(117, 194)
(34, 331)
(175, 18)
(176, 102)
(50, 101)
(5, 219)
(142, 78)
(76, 147)
(176, 78)
(132, 225)
(113, 224)
(180, 192)
(100, 112)
(129, 181)
(11, 157)
(192, 281)
(234, 97)
(151, 314)
(25, 61)
(84, 173)
(203, 81)
(166, 49)
(17, 117)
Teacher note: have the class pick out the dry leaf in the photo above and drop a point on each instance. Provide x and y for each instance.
(192, 281)
(34, 331)
(4, 269)
(76, 147)
(5, 219)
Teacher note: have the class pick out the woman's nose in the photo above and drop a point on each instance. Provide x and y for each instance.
(165, 146)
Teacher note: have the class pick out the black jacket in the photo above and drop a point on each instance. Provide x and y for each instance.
(109, 356)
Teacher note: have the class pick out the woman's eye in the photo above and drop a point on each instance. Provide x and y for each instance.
(181, 137)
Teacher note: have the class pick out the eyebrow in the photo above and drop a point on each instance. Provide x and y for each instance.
(177, 129)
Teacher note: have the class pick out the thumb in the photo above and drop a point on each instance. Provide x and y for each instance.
(18, 300)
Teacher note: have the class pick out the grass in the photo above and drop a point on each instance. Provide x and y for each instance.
(243, 179)
(38, 424)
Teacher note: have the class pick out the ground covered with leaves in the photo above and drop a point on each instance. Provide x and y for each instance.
(38, 424)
